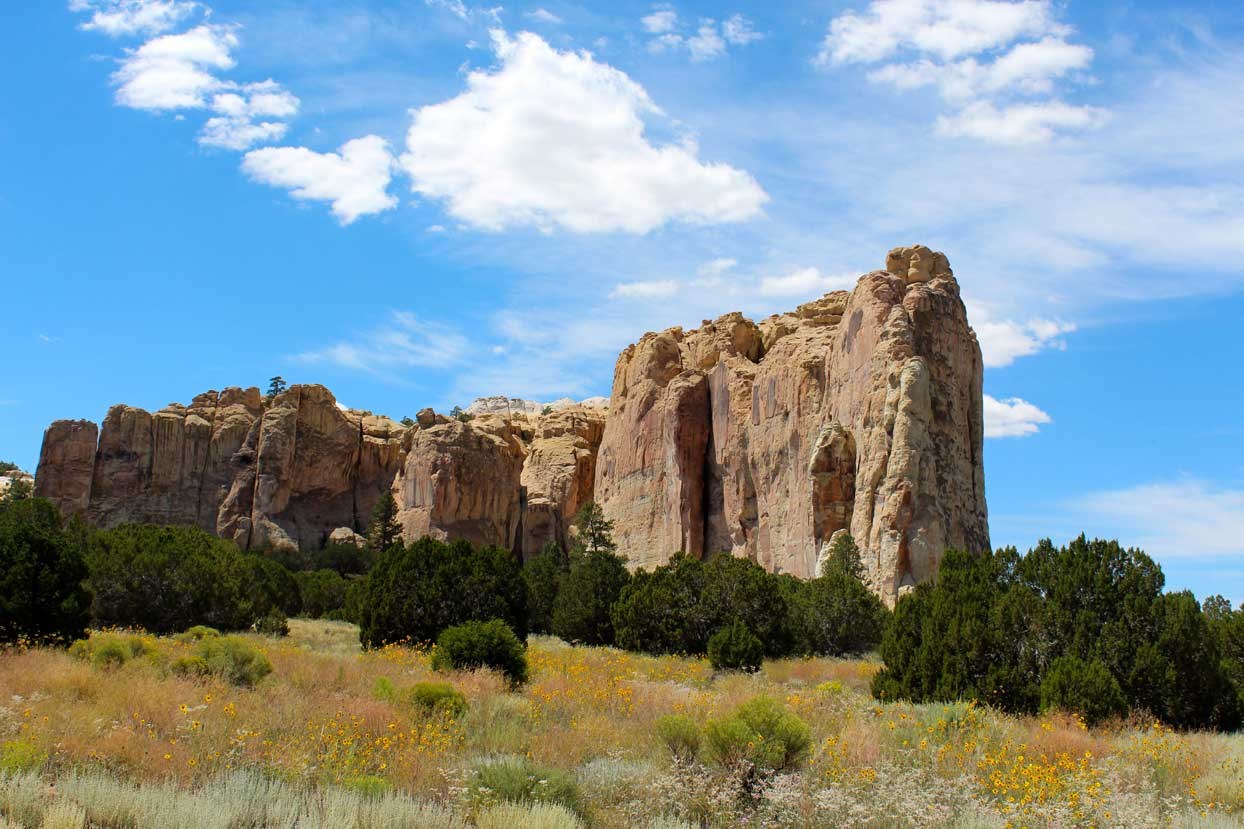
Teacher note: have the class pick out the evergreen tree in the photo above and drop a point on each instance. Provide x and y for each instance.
(384, 530)
(543, 576)
(593, 532)
(42, 598)
(276, 385)
(586, 595)
(844, 557)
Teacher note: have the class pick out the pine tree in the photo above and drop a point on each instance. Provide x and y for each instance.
(593, 532)
(276, 385)
(844, 558)
(384, 530)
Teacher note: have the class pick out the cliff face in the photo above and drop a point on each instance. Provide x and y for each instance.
(859, 411)
(293, 470)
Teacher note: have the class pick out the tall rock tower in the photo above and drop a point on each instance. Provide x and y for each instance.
(861, 411)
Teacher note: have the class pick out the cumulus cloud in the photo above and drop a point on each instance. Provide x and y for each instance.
(1187, 518)
(118, 18)
(1003, 341)
(405, 341)
(737, 30)
(1012, 418)
(980, 54)
(557, 139)
(175, 71)
(355, 179)
(803, 282)
(650, 289)
(179, 72)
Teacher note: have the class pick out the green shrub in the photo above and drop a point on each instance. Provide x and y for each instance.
(230, 658)
(42, 599)
(585, 597)
(734, 648)
(836, 614)
(527, 816)
(681, 735)
(110, 650)
(678, 606)
(368, 785)
(415, 592)
(21, 755)
(197, 633)
(438, 698)
(481, 645)
(1086, 688)
(543, 576)
(274, 624)
(762, 733)
(165, 579)
(322, 591)
(383, 689)
(518, 780)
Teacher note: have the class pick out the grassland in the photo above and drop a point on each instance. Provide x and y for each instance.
(324, 742)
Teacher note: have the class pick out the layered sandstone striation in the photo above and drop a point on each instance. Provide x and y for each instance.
(860, 411)
(299, 470)
(857, 412)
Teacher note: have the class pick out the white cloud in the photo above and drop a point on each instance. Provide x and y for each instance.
(660, 21)
(175, 71)
(709, 41)
(234, 128)
(556, 139)
(455, 7)
(738, 31)
(651, 289)
(355, 178)
(1029, 68)
(1003, 341)
(945, 29)
(1187, 518)
(1012, 418)
(803, 282)
(404, 342)
(117, 18)
(706, 44)
(1021, 123)
(981, 54)
(544, 16)
(240, 133)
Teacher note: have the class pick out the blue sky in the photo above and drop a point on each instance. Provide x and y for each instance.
(416, 203)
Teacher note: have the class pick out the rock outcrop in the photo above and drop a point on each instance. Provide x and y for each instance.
(11, 477)
(857, 412)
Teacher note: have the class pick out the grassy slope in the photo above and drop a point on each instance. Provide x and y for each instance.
(313, 742)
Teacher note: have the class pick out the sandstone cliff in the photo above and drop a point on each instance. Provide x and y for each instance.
(297, 469)
(858, 411)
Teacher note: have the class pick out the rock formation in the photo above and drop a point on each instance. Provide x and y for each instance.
(856, 412)
(859, 411)
(14, 476)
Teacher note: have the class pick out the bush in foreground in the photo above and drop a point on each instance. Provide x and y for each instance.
(735, 648)
(518, 780)
(481, 645)
(762, 733)
(230, 658)
(681, 735)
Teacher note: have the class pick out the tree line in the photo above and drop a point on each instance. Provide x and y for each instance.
(1086, 627)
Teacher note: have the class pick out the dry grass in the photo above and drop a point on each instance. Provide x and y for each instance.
(315, 744)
